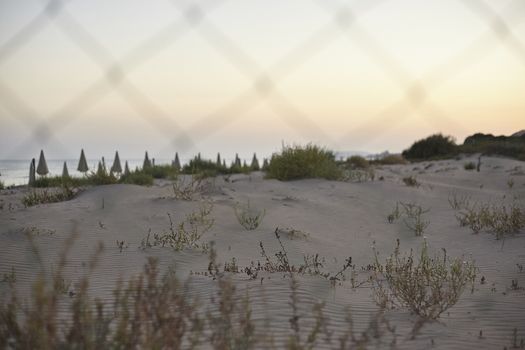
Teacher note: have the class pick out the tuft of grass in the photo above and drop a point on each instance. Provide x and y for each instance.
(457, 201)
(411, 181)
(415, 221)
(186, 189)
(500, 219)
(469, 166)
(298, 162)
(248, 217)
(187, 233)
(427, 285)
(36, 197)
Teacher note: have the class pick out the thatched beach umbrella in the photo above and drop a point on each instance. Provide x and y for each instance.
(32, 175)
(82, 163)
(126, 169)
(116, 167)
(42, 165)
(65, 172)
(219, 159)
(147, 162)
(176, 162)
(255, 163)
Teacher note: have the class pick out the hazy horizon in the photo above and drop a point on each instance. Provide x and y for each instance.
(244, 76)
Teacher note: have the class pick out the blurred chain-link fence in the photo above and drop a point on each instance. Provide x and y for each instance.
(342, 26)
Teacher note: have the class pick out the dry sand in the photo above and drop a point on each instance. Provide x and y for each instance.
(343, 219)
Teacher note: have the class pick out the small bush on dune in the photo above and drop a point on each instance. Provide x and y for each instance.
(202, 166)
(428, 286)
(469, 166)
(434, 146)
(161, 171)
(357, 162)
(137, 178)
(299, 162)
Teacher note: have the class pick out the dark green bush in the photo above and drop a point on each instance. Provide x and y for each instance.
(203, 166)
(512, 146)
(161, 171)
(299, 162)
(433, 147)
(137, 178)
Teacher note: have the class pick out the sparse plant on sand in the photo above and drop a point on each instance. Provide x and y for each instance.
(415, 221)
(36, 197)
(411, 181)
(121, 245)
(501, 219)
(185, 188)
(188, 232)
(458, 201)
(414, 217)
(428, 286)
(394, 215)
(469, 166)
(9, 277)
(248, 217)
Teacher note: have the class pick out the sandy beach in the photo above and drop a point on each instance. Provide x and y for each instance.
(336, 220)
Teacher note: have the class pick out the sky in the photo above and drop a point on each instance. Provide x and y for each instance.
(244, 76)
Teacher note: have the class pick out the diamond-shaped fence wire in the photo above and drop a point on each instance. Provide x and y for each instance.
(197, 17)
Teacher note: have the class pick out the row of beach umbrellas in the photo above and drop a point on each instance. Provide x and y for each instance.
(42, 169)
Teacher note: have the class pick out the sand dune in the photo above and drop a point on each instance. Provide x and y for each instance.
(342, 219)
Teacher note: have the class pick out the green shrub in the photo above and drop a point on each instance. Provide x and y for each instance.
(137, 178)
(161, 171)
(357, 162)
(299, 162)
(432, 147)
(206, 168)
(1, 185)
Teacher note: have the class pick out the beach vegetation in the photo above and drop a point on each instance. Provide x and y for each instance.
(357, 162)
(35, 197)
(500, 219)
(249, 217)
(187, 233)
(427, 285)
(297, 162)
(433, 147)
(469, 166)
(411, 181)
